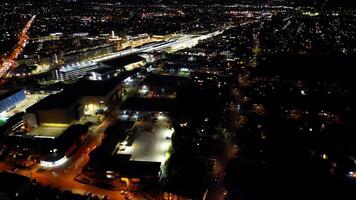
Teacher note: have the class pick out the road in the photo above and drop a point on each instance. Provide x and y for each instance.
(8, 62)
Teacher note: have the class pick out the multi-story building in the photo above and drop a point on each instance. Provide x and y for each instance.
(77, 70)
(73, 71)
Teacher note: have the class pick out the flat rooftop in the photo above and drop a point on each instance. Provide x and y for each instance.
(60, 100)
(122, 61)
(151, 143)
(161, 81)
(6, 93)
(149, 104)
(47, 132)
(71, 94)
(103, 70)
(30, 100)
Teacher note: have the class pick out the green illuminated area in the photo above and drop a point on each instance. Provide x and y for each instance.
(2, 122)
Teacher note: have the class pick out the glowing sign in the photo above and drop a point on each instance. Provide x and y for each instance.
(55, 163)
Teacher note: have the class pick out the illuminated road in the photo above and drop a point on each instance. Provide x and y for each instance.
(8, 62)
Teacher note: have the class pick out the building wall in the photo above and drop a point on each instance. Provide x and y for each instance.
(104, 76)
(134, 65)
(92, 53)
(31, 120)
(100, 102)
(93, 104)
(60, 74)
(56, 116)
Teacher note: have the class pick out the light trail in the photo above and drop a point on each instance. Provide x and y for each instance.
(8, 62)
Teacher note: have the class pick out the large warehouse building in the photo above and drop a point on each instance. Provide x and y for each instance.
(83, 98)
(118, 65)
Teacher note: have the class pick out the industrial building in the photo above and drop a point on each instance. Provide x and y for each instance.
(85, 53)
(134, 148)
(128, 63)
(101, 96)
(81, 99)
(51, 146)
(9, 99)
(57, 109)
(81, 69)
(103, 73)
(120, 155)
(74, 70)
(63, 146)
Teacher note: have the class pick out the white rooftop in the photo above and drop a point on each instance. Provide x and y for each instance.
(149, 145)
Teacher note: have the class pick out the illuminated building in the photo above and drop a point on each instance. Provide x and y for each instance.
(128, 63)
(61, 108)
(10, 99)
(103, 73)
(84, 98)
(132, 152)
(22, 70)
(131, 155)
(77, 70)
(83, 54)
(51, 146)
(62, 146)
(140, 38)
(74, 70)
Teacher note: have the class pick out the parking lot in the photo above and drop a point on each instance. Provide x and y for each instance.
(152, 138)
